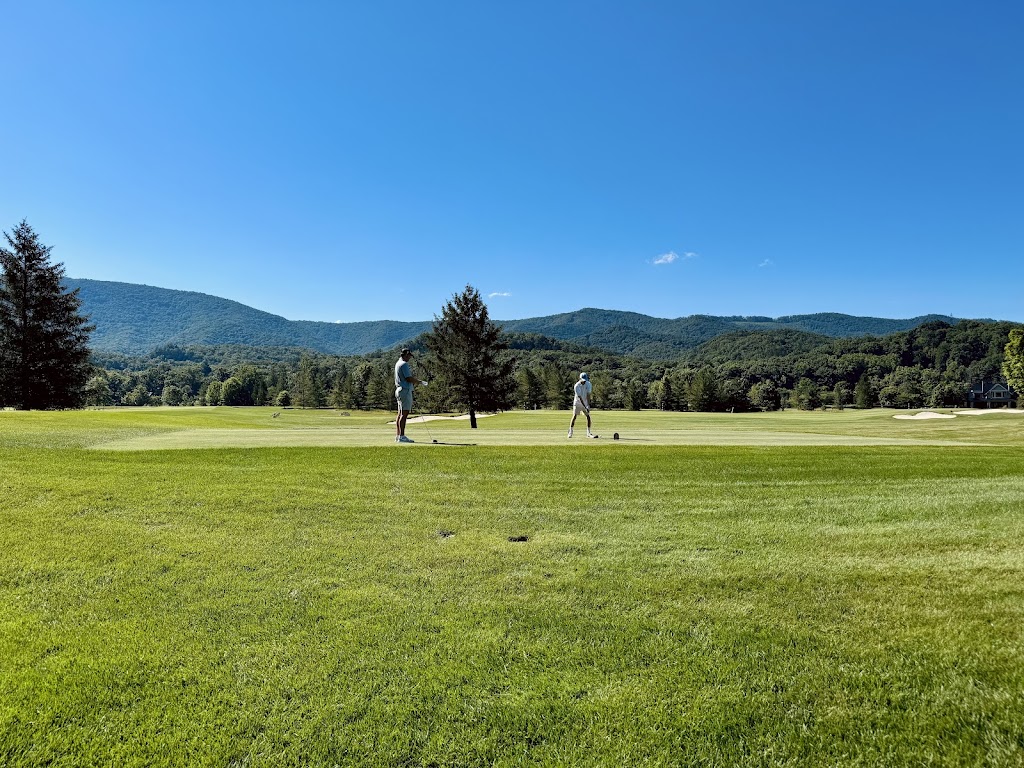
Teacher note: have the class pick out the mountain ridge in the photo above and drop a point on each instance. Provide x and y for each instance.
(131, 318)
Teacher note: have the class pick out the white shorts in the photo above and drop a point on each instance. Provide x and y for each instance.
(578, 408)
(404, 398)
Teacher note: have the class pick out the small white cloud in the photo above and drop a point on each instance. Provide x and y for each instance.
(498, 293)
(668, 258)
(767, 263)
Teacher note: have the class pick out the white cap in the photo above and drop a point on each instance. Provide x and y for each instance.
(584, 377)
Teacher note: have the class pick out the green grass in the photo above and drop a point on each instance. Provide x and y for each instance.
(673, 605)
(166, 428)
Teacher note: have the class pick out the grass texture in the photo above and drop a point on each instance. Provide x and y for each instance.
(670, 605)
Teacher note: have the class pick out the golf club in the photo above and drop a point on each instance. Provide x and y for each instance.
(423, 419)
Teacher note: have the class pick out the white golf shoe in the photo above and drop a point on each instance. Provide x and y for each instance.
(570, 433)
(404, 439)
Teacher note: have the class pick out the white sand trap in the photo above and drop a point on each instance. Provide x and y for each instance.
(987, 411)
(464, 417)
(925, 415)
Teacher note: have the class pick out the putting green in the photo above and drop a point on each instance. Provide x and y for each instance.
(489, 433)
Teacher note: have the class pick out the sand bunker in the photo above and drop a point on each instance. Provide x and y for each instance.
(925, 415)
(986, 411)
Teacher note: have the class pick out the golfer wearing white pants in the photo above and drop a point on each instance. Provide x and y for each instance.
(581, 402)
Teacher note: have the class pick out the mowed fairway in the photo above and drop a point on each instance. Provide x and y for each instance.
(511, 602)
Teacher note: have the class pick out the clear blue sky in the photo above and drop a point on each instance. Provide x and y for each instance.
(348, 161)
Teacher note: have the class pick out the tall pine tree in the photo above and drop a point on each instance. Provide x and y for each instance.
(44, 352)
(468, 355)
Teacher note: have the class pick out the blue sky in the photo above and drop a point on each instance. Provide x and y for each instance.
(361, 161)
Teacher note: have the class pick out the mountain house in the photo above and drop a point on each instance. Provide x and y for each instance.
(992, 394)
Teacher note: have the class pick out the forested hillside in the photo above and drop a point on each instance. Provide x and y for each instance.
(931, 365)
(136, 319)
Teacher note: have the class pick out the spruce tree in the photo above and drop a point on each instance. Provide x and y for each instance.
(862, 395)
(467, 352)
(667, 401)
(44, 352)
(702, 393)
(309, 390)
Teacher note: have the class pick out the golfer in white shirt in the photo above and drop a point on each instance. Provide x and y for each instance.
(581, 402)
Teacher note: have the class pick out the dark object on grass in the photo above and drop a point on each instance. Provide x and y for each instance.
(445, 534)
(518, 538)
(615, 436)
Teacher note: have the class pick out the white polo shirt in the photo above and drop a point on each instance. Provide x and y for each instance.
(582, 390)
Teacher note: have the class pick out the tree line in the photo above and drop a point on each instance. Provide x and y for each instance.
(45, 362)
(930, 366)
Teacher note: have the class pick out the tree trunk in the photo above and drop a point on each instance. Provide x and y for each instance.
(472, 418)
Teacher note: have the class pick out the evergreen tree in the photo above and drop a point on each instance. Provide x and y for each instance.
(467, 350)
(361, 384)
(668, 397)
(531, 389)
(308, 391)
(380, 390)
(862, 394)
(607, 390)
(840, 395)
(557, 386)
(636, 395)
(338, 398)
(702, 392)
(44, 353)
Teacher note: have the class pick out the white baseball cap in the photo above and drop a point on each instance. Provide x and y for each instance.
(584, 377)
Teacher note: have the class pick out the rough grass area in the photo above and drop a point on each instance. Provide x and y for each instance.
(508, 605)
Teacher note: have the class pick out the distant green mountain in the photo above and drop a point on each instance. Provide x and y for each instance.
(135, 319)
(756, 345)
(657, 338)
(836, 325)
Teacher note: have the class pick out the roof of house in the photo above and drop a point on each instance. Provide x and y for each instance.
(987, 387)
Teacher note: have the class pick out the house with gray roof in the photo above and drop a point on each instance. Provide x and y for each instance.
(992, 394)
